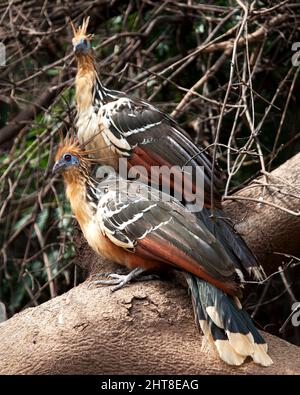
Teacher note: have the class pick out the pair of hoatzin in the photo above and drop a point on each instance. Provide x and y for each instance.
(123, 221)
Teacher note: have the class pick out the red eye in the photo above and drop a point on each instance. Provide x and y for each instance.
(68, 158)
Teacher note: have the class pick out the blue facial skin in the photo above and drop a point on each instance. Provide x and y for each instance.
(82, 47)
(66, 161)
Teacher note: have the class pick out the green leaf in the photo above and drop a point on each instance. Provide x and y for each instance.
(53, 72)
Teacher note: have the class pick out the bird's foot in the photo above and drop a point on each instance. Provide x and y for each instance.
(119, 280)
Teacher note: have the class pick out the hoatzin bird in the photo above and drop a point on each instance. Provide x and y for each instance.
(134, 225)
(121, 126)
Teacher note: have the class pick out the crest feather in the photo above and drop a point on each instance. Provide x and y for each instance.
(70, 144)
(81, 31)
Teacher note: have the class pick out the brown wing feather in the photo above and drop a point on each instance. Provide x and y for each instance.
(152, 162)
(164, 232)
(170, 254)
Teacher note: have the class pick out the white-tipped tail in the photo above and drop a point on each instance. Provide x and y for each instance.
(228, 353)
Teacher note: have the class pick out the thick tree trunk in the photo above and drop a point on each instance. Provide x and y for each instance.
(269, 230)
(149, 327)
(142, 329)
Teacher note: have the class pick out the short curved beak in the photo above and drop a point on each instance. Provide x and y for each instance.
(58, 167)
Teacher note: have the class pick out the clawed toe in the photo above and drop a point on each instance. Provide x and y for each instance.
(105, 282)
(118, 280)
(106, 274)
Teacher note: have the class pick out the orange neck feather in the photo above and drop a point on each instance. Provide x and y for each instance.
(76, 193)
(85, 80)
(85, 62)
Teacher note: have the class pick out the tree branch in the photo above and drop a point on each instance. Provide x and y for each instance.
(252, 37)
(11, 130)
(267, 228)
(142, 329)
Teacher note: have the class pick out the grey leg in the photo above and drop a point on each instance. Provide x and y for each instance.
(119, 280)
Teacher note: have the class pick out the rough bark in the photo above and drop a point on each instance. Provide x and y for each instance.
(268, 230)
(148, 327)
(145, 328)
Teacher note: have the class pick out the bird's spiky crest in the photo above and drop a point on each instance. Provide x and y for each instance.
(81, 31)
(70, 144)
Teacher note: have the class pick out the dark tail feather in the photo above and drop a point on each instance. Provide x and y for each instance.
(225, 323)
(234, 244)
